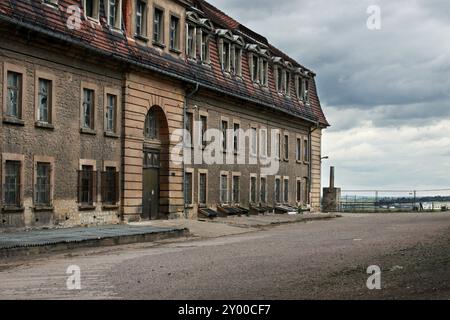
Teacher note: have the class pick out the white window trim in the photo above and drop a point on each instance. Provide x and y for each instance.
(203, 171)
(227, 200)
(235, 174)
(286, 201)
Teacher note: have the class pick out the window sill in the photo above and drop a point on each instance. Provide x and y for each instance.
(285, 160)
(111, 135)
(44, 125)
(39, 208)
(306, 162)
(189, 206)
(299, 161)
(174, 50)
(88, 131)
(13, 209)
(141, 38)
(86, 207)
(191, 59)
(159, 44)
(13, 121)
(110, 207)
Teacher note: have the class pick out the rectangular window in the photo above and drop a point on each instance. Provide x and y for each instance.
(205, 47)
(110, 186)
(298, 150)
(87, 185)
(279, 79)
(174, 33)
(111, 107)
(189, 129)
(263, 142)
(277, 190)
(141, 13)
(14, 95)
(238, 61)
(158, 25)
(190, 41)
(265, 73)
(306, 150)
(236, 189)
(188, 188)
(224, 127)
(43, 186)
(254, 142)
(44, 100)
(299, 191)
(300, 88)
(286, 147)
(224, 189)
(226, 56)
(306, 195)
(306, 91)
(263, 191)
(114, 13)
(252, 189)
(288, 83)
(255, 68)
(202, 189)
(88, 108)
(204, 128)
(12, 184)
(91, 8)
(278, 146)
(236, 137)
(286, 191)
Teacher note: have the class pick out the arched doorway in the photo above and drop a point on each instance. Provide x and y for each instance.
(155, 202)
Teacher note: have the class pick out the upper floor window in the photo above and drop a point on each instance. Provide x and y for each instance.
(224, 127)
(255, 68)
(237, 61)
(151, 125)
(203, 128)
(279, 78)
(287, 86)
(91, 8)
(286, 147)
(158, 26)
(114, 13)
(299, 87)
(226, 56)
(190, 40)
(44, 100)
(204, 54)
(14, 95)
(141, 18)
(111, 107)
(306, 91)
(306, 150)
(174, 33)
(298, 150)
(88, 109)
(189, 129)
(236, 137)
(264, 72)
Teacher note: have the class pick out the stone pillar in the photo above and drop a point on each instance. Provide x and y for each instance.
(331, 195)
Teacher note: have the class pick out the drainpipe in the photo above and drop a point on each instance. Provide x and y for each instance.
(185, 106)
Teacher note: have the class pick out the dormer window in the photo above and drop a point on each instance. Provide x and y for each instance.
(91, 9)
(51, 2)
(204, 54)
(158, 26)
(287, 87)
(237, 60)
(114, 13)
(279, 78)
(264, 72)
(190, 41)
(141, 18)
(299, 87)
(306, 91)
(255, 68)
(226, 54)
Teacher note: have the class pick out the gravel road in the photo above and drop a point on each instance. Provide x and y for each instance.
(314, 260)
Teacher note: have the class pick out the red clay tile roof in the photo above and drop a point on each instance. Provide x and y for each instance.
(36, 16)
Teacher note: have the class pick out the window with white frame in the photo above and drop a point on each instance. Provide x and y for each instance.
(158, 26)
(111, 111)
(226, 56)
(190, 40)
(253, 189)
(204, 54)
(264, 72)
(141, 18)
(44, 100)
(263, 190)
(253, 141)
(255, 68)
(287, 87)
(92, 8)
(277, 190)
(88, 108)
(115, 13)
(279, 78)
(224, 188)
(14, 94)
(174, 41)
(237, 61)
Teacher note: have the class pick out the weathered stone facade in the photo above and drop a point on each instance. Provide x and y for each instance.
(201, 63)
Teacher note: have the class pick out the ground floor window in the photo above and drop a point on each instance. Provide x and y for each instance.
(43, 186)
(223, 188)
(263, 192)
(202, 188)
(87, 185)
(236, 189)
(12, 197)
(252, 189)
(286, 191)
(110, 186)
(299, 191)
(277, 190)
(188, 188)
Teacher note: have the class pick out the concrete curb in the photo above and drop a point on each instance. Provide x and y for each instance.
(89, 243)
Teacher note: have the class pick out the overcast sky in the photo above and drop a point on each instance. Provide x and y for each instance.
(386, 92)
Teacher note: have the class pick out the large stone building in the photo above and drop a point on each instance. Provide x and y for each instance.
(107, 106)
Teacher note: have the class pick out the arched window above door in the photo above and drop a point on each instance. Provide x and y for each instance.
(151, 130)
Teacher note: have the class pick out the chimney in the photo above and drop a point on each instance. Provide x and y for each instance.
(331, 177)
